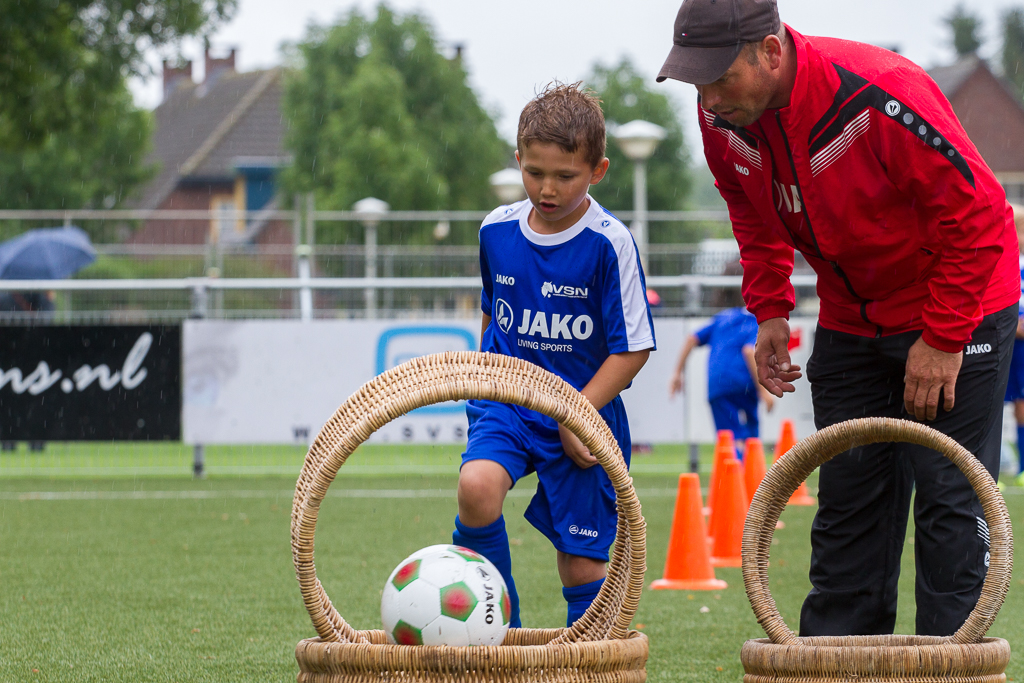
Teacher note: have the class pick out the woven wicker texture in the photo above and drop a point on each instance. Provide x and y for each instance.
(784, 658)
(599, 647)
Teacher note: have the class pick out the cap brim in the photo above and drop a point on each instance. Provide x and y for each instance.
(699, 65)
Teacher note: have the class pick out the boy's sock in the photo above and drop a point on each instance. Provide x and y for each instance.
(491, 541)
(579, 599)
(1020, 448)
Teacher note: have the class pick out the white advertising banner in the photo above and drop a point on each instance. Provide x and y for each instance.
(251, 382)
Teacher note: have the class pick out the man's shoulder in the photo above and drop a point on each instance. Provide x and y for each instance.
(870, 62)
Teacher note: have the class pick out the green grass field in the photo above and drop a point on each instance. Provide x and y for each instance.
(164, 578)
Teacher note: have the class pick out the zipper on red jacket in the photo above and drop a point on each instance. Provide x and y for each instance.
(807, 217)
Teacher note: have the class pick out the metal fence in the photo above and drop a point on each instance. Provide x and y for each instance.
(297, 264)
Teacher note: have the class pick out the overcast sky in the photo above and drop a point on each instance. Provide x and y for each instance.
(513, 48)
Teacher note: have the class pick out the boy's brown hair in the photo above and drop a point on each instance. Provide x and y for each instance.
(567, 115)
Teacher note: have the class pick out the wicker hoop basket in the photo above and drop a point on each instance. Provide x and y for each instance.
(965, 657)
(599, 647)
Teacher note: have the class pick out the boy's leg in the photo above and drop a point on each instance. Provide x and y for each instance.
(726, 413)
(582, 578)
(480, 525)
(1018, 414)
(494, 460)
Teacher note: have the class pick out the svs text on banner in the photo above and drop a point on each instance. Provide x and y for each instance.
(71, 383)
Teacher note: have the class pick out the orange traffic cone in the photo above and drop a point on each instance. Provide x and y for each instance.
(725, 448)
(730, 513)
(753, 467)
(787, 439)
(688, 566)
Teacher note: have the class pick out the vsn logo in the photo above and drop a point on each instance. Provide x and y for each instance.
(503, 314)
(549, 289)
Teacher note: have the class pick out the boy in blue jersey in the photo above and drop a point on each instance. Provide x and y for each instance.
(1015, 387)
(562, 288)
(733, 388)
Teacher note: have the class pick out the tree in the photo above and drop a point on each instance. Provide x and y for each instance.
(70, 134)
(1013, 48)
(966, 27)
(61, 57)
(626, 97)
(374, 109)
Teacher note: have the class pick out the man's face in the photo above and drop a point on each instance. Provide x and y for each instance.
(743, 92)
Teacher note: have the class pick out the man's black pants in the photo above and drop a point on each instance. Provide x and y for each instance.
(864, 494)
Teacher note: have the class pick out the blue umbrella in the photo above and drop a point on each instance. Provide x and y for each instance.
(46, 254)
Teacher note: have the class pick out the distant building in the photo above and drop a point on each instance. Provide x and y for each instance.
(218, 145)
(993, 116)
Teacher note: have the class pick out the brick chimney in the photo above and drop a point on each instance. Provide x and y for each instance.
(218, 66)
(175, 76)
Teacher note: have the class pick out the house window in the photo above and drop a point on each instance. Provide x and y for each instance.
(221, 226)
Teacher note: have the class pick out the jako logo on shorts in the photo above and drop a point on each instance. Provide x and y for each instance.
(974, 349)
(582, 531)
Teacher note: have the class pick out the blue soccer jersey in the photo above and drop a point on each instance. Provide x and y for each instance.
(565, 301)
(727, 333)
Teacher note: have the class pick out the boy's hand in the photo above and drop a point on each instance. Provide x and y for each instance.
(676, 385)
(575, 449)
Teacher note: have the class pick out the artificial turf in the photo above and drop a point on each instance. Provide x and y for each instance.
(169, 579)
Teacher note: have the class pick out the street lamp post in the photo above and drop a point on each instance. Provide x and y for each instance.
(638, 140)
(508, 185)
(370, 211)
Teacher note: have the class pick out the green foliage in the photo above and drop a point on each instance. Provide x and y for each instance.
(626, 97)
(965, 27)
(70, 134)
(375, 109)
(1013, 48)
(62, 57)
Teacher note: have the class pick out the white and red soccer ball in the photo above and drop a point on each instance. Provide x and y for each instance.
(445, 595)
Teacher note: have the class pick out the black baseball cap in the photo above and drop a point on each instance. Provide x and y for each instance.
(709, 35)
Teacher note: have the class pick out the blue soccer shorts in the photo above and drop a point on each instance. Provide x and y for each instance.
(1015, 387)
(737, 413)
(573, 507)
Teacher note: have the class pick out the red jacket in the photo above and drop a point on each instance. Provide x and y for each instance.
(904, 223)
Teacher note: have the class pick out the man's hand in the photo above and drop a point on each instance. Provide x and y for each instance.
(575, 449)
(929, 371)
(1020, 327)
(771, 356)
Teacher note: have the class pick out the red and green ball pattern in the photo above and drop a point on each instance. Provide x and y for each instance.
(406, 575)
(458, 601)
(506, 606)
(467, 554)
(405, 634)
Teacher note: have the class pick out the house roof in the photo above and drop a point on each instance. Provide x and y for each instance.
(950, 78)
(202, 128)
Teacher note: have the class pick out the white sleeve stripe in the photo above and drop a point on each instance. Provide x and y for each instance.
(639, 334)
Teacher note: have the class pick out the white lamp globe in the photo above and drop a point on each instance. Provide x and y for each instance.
(508, 185)
(638, 139)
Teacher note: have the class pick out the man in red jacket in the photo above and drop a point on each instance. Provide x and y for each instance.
(852, 155)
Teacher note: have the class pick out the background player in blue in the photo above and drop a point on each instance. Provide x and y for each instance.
(733, 388)
(1015, 387)
(562, 288)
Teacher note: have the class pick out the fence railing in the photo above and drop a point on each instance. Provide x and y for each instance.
(280, 264)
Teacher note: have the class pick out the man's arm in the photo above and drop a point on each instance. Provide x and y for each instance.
(952, 187)
(614, 375)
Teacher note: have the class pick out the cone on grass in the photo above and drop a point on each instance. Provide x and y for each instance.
(753, 467)
(787, 439)
(725, 448)
(688, 566)
(730, 512)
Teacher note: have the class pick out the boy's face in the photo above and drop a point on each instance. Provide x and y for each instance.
(557, 182)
